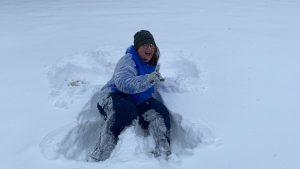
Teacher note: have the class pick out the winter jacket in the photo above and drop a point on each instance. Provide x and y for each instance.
(131, 76)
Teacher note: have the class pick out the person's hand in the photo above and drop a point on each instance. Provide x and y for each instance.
(155, 76)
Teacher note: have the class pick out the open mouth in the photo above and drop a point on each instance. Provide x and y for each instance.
(148, 54)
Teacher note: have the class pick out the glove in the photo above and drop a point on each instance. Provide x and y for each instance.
(155, 76)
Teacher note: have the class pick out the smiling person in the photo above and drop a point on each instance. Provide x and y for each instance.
(132, 94)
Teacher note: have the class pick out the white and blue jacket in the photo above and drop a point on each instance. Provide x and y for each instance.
(131, 76)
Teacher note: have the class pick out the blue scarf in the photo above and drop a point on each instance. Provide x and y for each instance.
(143, 68)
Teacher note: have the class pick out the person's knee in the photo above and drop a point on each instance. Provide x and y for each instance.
(162, 111)
(159, 107)
(154, 114)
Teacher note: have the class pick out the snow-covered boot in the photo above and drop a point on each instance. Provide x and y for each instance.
(159, 132)
(104, 147)
(105, 144)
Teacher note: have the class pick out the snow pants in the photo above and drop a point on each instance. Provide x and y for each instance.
(119, 111)
(123, 111)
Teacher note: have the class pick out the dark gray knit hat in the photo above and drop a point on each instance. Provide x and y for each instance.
(143, 37)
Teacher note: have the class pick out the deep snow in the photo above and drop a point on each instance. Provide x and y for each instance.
(232, 67)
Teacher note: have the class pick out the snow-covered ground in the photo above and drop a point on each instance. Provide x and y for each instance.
(232, 70)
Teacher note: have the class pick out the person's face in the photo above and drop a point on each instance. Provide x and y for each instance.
(146, 52)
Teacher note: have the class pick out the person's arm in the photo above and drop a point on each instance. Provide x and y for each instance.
(126, 78)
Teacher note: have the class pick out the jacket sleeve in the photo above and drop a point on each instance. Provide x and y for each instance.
(126, 78)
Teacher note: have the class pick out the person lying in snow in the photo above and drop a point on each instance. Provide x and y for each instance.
(132, 94)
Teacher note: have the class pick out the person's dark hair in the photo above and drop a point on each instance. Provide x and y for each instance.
(153, 61)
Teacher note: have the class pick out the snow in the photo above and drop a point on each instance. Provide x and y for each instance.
(231, 71)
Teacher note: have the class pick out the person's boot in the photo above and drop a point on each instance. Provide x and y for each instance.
(106, 143)
(160, 134)
(104, 147)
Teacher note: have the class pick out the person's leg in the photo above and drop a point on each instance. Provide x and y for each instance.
(154, 115)
(102, 112)
(160, 110)
(121, 111)
(125, 112)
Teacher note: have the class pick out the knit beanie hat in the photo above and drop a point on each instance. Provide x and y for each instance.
(143, 37)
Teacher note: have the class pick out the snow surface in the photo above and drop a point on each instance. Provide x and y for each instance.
(232, 70)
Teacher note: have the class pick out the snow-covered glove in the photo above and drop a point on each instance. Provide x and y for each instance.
(155, 76)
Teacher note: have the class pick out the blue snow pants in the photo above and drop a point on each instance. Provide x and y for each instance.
(125, 111)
